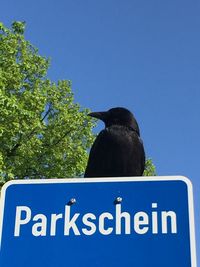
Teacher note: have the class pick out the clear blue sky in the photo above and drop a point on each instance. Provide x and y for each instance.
(143, 55)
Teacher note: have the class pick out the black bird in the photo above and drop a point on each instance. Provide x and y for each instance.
(118, 149)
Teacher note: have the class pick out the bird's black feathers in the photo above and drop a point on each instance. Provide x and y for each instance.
(118, 149)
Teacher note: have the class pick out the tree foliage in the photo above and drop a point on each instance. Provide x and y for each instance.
(43, 133)
(150, 169)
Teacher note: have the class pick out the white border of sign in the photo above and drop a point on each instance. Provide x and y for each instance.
(117, 179)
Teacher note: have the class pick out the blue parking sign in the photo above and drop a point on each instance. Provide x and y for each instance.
(101, 222)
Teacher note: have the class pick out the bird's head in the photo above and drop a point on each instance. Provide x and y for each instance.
(117, 116)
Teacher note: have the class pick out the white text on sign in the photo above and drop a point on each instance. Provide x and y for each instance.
(121, 222)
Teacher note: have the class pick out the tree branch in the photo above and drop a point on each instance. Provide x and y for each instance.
(58, 141)
(13, 150)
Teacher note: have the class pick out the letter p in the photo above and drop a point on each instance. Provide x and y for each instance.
(18, 218)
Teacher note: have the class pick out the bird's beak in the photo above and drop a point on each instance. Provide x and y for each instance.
(99, 115)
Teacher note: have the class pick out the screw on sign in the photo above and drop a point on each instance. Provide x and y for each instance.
(80, 222)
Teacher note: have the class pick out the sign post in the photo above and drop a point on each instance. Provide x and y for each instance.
(138, 221)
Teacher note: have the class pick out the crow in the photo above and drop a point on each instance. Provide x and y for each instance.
(118, 150)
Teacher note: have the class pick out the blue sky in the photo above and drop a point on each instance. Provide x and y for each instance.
(143, 55)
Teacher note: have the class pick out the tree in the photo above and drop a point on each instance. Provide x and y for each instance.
(150, 169)
(43, 133)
